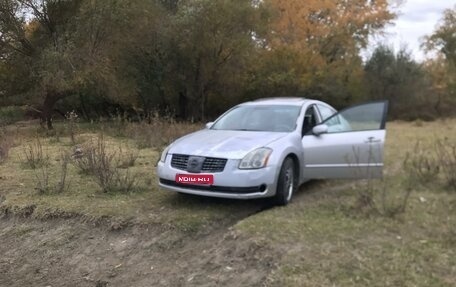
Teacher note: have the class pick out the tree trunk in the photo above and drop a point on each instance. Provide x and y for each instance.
(48, 107)
(83, 107)
(182, 105)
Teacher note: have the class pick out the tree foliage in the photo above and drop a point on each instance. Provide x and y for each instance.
(195, 58)
(398, 78)
(442, 69)
(320, 43)
(443, 39)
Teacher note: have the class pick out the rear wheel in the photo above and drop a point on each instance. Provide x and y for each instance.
(287, 183)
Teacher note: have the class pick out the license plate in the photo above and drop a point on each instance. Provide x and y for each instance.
(195, 178)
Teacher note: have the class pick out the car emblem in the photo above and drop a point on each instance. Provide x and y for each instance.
(195, 164)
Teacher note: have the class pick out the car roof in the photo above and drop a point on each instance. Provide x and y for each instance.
(278, 101)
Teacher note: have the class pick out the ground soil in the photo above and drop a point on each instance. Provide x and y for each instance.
(72, 251)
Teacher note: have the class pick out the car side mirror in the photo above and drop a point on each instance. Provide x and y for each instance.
(209, 125)
(320, 129)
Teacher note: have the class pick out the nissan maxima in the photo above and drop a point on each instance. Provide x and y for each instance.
(269, 147)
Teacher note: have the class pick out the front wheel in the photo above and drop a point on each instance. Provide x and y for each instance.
(287, 183)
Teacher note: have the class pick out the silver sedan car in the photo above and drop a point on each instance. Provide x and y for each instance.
(268, 147)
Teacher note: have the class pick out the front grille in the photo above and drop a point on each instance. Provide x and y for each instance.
(210, 164)
(179, 161)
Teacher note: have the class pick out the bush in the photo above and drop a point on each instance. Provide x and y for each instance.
(421, 165)
(127, 157)
(71, 123)
(42, 179)
(10, 115)
(446, 153)
(124, 181)
(379, 196)
(34, 155)
(62, 184)
(42, 175)
(97, 160)
(433, 163)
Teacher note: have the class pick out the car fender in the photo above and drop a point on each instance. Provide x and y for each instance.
(282, 148)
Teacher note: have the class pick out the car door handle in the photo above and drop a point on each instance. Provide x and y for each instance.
(372, 140)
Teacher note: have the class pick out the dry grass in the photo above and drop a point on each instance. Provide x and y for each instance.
(82, 195)
(324, 243)
(127, 157)
(433, 164)
(153, 132)
(34, 156)
(159, 132)
(6, 143)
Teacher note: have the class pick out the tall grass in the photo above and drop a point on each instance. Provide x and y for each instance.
(34, 156)
(158, 132)
(153, 131)
(6, 143)
(104, 164)
(433, 163)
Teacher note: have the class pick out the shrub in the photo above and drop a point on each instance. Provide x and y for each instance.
(62, 184)
(446, 153)
(421, 165)
(34, 155)
(10, 115)
(42, 175)
(98, 161)
(433, 163)
(42, 179)
(104, 165)
(127, 157)
(379, 196)
(125, 181)
(71, 121)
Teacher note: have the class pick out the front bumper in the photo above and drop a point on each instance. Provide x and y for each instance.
(231, 183)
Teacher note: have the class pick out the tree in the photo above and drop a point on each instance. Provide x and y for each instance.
(443, 39)
(210, 46)
(320, 42)
(193, 58)
(332, 29)
(398, 78)
(69, 45)
(437, 72)
(442, 69)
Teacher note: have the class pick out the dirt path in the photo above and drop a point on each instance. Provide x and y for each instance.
(72, 252)
(68, 252)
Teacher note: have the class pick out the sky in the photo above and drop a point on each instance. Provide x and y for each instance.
(416, 18)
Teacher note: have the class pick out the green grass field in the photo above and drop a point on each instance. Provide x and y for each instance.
(322, 237)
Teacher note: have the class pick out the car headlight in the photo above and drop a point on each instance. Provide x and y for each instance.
(164, 154)
(256, 159)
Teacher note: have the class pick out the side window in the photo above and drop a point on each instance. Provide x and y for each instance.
(363, 117)
(325, 112)
(310, 120)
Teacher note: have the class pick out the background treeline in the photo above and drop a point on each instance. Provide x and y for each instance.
(192, 59)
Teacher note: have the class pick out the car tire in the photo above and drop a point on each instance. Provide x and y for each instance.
(287, 183)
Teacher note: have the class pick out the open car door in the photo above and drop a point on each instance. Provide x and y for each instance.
(349, 144)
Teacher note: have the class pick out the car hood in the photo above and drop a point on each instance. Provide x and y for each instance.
(224, 144)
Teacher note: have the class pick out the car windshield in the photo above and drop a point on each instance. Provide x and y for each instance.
(271, 118)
